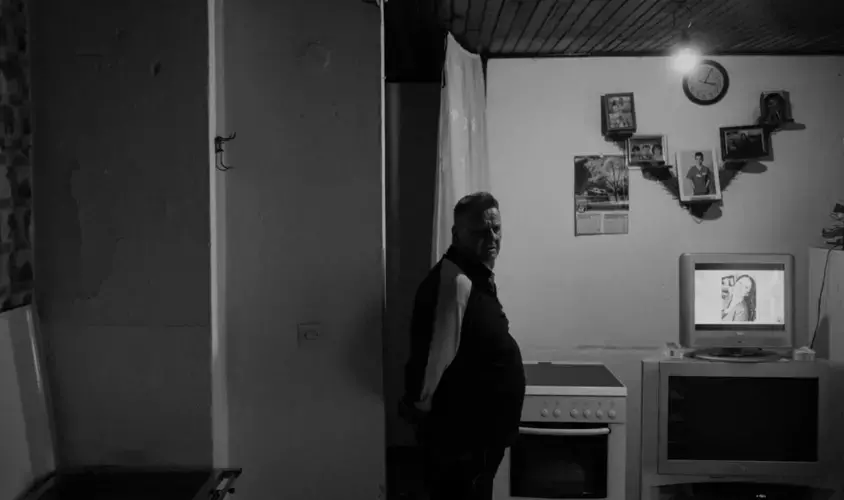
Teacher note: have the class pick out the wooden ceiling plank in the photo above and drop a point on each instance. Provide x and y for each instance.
(638, 27)
(459, 10)
(544, 12)
(770, 23)
(798, 43)
(766, 43)
(502, 27)
(829, 38)
(539, 21)
(807, 44)
(801, 37)
(549, 26)
(521, 21)
(709, 41)
(475, 15)
(596, 26)
(664, 40)
(623, 11)
(664, 17)
(755, 38)
(631, 27)
(490, 24)
(737, 17)
(587, 18)
(443, 10)
(564, 26)
(801, 42)
(733, 30)
(762, 40)
(717, 31)
(707, 33)
(628, 19)
(474, 22)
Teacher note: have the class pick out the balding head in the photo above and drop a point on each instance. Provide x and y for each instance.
(476, 232)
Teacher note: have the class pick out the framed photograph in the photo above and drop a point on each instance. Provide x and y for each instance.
(775, 108)
(697, 173)
(747, 142)
(601, 195)
(618, 114)
(648, 150)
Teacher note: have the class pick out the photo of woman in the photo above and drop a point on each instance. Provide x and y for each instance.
(740, 300)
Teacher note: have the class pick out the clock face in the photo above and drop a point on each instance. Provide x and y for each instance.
(706, 84)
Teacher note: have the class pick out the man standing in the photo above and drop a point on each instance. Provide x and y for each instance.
(465, 380)
(701, 177)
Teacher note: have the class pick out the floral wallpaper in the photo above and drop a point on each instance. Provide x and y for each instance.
(15, 166)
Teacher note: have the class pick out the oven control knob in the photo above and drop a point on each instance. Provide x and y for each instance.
(587, 413)
(574, 413)
(611, 413)
(544, 412)
(599, 413)
(557, 412)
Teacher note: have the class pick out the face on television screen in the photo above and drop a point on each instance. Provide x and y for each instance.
(727, 295)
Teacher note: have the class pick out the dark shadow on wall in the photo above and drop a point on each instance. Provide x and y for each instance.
(412, 131)
(820, 338)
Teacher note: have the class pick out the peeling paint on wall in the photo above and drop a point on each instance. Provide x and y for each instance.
(90, 191)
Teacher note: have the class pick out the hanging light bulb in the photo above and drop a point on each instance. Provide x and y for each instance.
(686, 56)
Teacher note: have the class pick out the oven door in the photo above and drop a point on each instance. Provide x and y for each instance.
(557, 461)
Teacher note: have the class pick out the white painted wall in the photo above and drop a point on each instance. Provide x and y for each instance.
(826, 296)
(15, 456)
(563, 293)
(303, 230)
(26, 429)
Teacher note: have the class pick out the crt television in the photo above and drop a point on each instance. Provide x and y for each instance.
(766, 421)
(736, 301)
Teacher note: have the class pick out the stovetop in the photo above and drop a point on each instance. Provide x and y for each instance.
(572, 379)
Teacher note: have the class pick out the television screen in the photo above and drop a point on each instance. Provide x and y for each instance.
(749, 296)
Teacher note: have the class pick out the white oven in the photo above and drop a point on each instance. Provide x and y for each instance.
(572, 439)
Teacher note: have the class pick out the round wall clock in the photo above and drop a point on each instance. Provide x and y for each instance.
(707, 83)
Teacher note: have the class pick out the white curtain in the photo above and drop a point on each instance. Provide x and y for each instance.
(463, 165)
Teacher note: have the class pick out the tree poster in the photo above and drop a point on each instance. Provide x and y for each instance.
(601, 195)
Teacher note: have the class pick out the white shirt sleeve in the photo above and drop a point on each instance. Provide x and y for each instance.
(452, 298)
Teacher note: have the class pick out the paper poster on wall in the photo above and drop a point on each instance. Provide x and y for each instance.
(601, 195)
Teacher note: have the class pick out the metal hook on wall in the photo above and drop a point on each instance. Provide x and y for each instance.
(218, 150)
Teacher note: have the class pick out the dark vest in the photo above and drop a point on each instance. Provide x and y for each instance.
(479, 399)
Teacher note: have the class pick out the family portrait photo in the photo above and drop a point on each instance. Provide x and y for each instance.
(619, 112)
(697, 173)
(744, 143)
(647, 150)
(601, 194)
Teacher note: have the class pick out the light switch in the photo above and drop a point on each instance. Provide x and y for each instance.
(309, 332)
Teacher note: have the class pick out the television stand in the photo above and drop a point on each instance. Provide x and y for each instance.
(737, 355)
